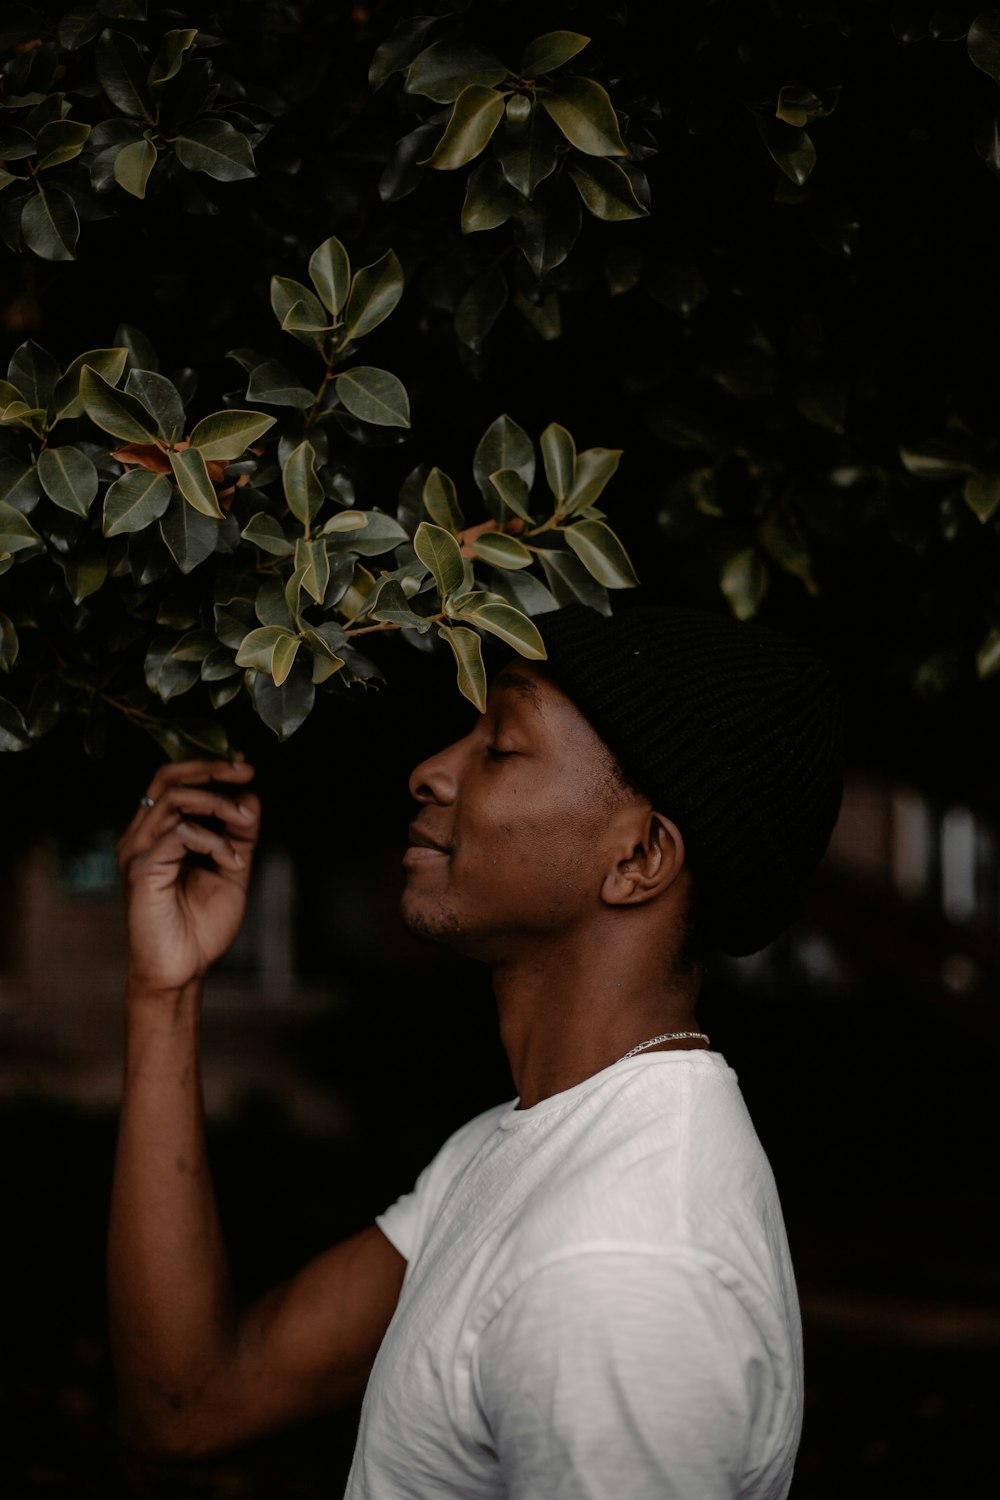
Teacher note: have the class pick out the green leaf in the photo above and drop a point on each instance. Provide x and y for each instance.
(114, 411)
(505, 622)
(271, 649)
(122, 74)
(440, 500)
(313, 562)
(379, 532)
(228, 434)
(374, 395)
(559, 458)
(798, 105)
(513, 492)
(109, 364)
(266, 533)
(15, 143)
(502, 551)
(744, 582)
(504, 445)
(607, 190)
(34, 372)
(20, 414)
(13, 730)
(325, 660)
(546, 230)
(132, 166)
(394, 608)
(85, 568)
(395, 54)
(190, 535)
(298, 310)
(602, 554)
(283, 709)
(983, 43)
(19, 485)
(438, 550)
(593, 469)
(50, 224)
(330, 273)
(170, 55)
(216, 148)
(467, 650)
(59, 141)
(303, 487)
(982, 495)
(527, 150)
(791, 149)
(935, 460)
(570, 581)
(193, 480)
(489, 199)
(584, 113)
(477, 113)
(988, 655)
(345, 520)
(551, 51)
(272, 383)
(161, 399)
(8, 643)
(374, 293)
(68, 477)
(444, 69)
(16, 531)
(482, 302)
(135, 501)
(782, 538)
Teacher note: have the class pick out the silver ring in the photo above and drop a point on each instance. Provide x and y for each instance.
(147, 802)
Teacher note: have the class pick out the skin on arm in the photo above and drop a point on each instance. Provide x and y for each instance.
(195, 1373)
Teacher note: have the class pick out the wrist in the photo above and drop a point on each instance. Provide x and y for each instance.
(176, 1003)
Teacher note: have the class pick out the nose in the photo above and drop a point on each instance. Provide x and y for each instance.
(436, 778)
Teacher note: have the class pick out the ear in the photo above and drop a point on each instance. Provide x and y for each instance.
(651, 865)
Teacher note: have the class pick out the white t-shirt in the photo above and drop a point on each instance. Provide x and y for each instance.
(598, 1304)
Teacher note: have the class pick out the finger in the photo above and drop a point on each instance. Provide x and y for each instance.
(197, 773)
(162, 861)
(240, 815)
(191, 772)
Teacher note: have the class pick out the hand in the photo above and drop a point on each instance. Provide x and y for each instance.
(182, 917)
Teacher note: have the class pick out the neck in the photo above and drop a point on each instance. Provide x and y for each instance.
(572, 1007)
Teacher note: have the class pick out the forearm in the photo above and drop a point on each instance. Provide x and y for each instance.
(170, 1297)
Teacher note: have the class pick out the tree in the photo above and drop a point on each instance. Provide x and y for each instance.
(689, 232)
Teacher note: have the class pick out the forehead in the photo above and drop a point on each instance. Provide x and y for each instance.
(535, 698)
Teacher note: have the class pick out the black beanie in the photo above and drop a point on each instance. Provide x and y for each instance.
(732, 731)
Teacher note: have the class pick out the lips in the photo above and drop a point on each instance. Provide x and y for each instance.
(423, 847)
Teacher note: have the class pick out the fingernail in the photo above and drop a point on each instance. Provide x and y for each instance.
(237, 857)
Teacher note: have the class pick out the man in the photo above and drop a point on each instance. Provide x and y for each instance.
(588, 1292)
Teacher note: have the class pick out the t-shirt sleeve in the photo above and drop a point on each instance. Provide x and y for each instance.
(404, 1222)
(622, 1373)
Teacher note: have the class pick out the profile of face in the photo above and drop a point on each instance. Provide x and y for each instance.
(525, 830)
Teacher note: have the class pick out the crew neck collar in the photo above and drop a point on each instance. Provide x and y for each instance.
(701, 1059)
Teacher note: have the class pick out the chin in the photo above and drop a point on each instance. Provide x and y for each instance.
(435, 924)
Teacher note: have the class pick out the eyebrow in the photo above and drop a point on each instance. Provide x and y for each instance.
(525, 686)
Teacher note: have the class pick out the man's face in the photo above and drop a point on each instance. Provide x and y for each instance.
(518, 824)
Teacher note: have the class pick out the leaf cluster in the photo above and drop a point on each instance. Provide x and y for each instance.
(163, 568)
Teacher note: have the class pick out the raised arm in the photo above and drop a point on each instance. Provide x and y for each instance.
(195, 1374)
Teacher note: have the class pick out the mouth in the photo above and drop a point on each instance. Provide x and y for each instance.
(422, 847)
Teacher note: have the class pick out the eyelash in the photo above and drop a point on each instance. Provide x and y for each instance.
(494, 754)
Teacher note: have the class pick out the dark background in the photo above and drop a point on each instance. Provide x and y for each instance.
(875, 1098)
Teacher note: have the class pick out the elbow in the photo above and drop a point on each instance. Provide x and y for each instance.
(174, 1431)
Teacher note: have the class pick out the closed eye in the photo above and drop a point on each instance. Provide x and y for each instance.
(494, 754)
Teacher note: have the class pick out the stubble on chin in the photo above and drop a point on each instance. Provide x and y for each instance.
(436, 926)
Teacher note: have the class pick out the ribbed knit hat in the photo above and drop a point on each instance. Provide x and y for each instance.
(732, 731)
